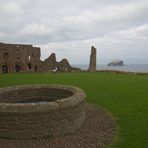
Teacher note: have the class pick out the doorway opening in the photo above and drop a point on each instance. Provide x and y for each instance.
(35, 68)
(29, 66)
(17, 68)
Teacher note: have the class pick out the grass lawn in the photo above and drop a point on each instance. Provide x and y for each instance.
(125, 96)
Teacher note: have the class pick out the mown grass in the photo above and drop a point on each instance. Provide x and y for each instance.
(125, 96)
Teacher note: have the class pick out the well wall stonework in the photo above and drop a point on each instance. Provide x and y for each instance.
(60, 111)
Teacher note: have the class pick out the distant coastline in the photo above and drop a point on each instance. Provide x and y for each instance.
(142, 68)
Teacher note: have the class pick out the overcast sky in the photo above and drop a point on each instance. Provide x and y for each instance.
(117, 28)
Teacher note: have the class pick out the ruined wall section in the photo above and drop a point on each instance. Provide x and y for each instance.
(18, 58)
(25, 58)
(92, 63)
(50, 64)
(64, 65)
(35, 60)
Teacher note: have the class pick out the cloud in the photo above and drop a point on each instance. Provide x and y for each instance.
(129, 44)
(119, 29)
(2, 34)
(11, 8)
(36, 29)
(139, 32)
(111, 13)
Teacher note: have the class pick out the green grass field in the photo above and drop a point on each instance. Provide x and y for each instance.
(125, 96)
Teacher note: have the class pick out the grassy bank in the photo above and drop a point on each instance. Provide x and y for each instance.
(125, 96)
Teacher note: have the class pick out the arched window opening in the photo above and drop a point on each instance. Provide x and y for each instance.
(4, 68)
(17, 68)
(5, 55)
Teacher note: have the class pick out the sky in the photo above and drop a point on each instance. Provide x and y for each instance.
(117, 28)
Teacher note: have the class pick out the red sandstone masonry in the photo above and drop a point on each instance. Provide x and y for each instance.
(26, 58)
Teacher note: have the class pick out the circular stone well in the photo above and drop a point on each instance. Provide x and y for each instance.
(40, 111)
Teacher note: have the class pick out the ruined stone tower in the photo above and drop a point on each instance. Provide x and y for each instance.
(92, 63)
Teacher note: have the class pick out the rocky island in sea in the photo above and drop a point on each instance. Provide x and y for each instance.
(116, 63)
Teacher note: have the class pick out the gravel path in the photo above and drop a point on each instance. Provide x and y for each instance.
(97, 132)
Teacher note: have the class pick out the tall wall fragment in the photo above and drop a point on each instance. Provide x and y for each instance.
(92, 63)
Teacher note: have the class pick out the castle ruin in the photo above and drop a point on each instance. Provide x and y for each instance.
(25, 58)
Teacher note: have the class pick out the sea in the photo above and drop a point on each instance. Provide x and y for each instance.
(127, 68)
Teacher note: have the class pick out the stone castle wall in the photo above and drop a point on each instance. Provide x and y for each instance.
(50, 64)
(18, 58)
(24, 58)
